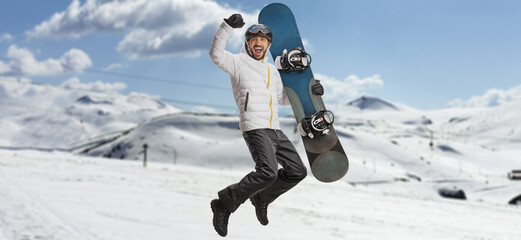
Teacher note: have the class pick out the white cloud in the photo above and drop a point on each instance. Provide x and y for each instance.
(493, 97)
(4, 68)
(339, 92)
(75, 60)
(20, 92)
(98, 86)
(113, 66)
(22, 62)
(152, 28)
(6, 37)
(144, 95)
(307, 45)
(204, 109)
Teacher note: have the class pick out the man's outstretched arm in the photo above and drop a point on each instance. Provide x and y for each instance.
(222, 58)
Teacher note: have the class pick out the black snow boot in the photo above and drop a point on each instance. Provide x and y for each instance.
(261, 210)
(220, 217)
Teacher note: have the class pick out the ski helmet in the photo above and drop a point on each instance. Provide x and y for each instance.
(258, 30)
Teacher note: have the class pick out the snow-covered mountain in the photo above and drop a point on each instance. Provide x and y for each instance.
(387, 143)
(45, 116)
(371, 103)
(400, 158)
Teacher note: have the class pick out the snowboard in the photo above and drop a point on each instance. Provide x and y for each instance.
(326, 156)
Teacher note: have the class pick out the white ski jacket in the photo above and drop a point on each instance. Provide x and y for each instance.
(256, 84)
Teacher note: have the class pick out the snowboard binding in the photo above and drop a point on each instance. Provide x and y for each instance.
(320, 122)
(296, 59)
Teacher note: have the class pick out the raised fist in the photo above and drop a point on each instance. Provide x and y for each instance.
(235, 21)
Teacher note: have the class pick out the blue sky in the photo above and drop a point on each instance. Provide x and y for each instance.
(426, 54)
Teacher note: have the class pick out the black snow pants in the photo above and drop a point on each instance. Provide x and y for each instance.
(267, 147)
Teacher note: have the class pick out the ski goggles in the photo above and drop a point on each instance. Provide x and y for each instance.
(259, 28)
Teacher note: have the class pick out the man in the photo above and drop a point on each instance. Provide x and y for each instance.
(257, 88)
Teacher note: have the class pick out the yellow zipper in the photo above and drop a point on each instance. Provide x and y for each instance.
(271, 97)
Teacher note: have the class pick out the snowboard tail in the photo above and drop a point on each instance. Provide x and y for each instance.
(326, 156)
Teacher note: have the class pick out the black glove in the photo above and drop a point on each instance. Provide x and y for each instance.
(317, 88)
(235, 21)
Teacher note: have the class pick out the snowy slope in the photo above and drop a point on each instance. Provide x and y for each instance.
(208, 140)
(386, 147)
(472, 149)
(61, 196)
(400, 159)
(388, 144)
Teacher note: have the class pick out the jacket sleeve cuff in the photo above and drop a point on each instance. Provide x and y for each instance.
(226, 27)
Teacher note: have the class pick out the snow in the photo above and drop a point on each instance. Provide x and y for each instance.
(71, 168)
(371, 103)
(61, 196)
(45, 116)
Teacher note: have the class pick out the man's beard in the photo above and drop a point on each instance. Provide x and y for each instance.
(261, 56)
(251, 51)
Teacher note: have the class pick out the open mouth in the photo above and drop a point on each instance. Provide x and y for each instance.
(257, 50)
